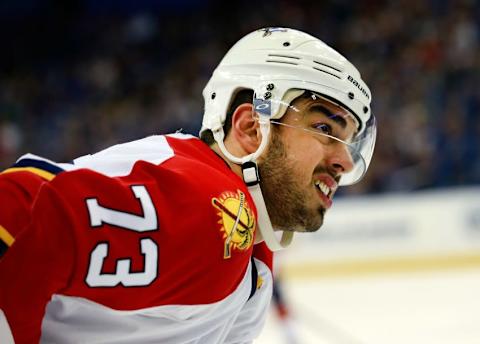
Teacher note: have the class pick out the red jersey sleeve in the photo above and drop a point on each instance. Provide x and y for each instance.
(19, 186)
(18, 190)
(38, 265)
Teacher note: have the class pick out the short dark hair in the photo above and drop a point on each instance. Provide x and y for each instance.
(241, 97)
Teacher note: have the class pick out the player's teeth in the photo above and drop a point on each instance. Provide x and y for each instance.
(323, 187)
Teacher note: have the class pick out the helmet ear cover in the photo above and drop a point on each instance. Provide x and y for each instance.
(242, 96)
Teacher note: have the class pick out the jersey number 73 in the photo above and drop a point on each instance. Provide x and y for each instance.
(100, 215)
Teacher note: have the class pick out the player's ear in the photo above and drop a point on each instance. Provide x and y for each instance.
(245, 128)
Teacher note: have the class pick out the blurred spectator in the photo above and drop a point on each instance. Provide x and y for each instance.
(80, 76)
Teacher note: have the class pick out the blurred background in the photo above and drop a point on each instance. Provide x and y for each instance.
(77, 76)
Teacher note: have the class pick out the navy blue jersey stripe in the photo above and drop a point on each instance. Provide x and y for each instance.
(43, 165)
(254, 279)
(3, 248)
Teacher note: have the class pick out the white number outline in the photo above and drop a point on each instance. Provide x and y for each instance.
(145, 222)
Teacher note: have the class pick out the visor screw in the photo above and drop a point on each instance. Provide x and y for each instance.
(351, 95)
(270, 87)
(286, 44)
(267, 95)
(365, 109)
(213, 95)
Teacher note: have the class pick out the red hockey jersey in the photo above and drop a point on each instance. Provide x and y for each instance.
(145, 242)
(19, 186)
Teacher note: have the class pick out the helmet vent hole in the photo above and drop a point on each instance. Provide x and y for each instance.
(328, 66)
(284, 56)
(279, 58)
(286, 62)
(286, 44)
(324, 71)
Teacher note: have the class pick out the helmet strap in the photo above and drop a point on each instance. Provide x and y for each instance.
(252, 180)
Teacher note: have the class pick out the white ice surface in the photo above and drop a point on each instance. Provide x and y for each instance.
(441, 307)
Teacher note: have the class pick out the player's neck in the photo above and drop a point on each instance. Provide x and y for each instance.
(234, 167)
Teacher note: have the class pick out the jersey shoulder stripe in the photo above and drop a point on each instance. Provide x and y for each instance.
(6, 240)
(5, 237)
(41, 167)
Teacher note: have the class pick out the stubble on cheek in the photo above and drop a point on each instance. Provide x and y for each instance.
(290, 200)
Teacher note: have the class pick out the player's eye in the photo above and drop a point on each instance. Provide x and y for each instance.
(323, 128)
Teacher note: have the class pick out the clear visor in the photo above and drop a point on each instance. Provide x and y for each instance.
(346, 144)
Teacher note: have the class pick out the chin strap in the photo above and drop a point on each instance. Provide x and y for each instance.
(252, 179)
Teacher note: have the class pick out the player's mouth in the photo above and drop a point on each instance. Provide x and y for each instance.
(326, 187)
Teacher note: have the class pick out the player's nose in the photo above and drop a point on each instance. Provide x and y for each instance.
(339, 158)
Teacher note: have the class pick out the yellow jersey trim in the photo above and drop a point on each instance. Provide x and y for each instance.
(6, 237)
(41, 173)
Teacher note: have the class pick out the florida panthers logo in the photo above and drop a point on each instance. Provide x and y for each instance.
(237, 220)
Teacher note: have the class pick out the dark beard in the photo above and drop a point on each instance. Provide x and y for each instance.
(285, 201)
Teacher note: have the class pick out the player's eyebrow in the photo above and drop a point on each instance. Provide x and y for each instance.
(336, 118)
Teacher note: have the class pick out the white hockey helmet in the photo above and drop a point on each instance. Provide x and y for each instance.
(280, 64)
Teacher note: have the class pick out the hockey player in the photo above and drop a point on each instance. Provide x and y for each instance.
(154, 240)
